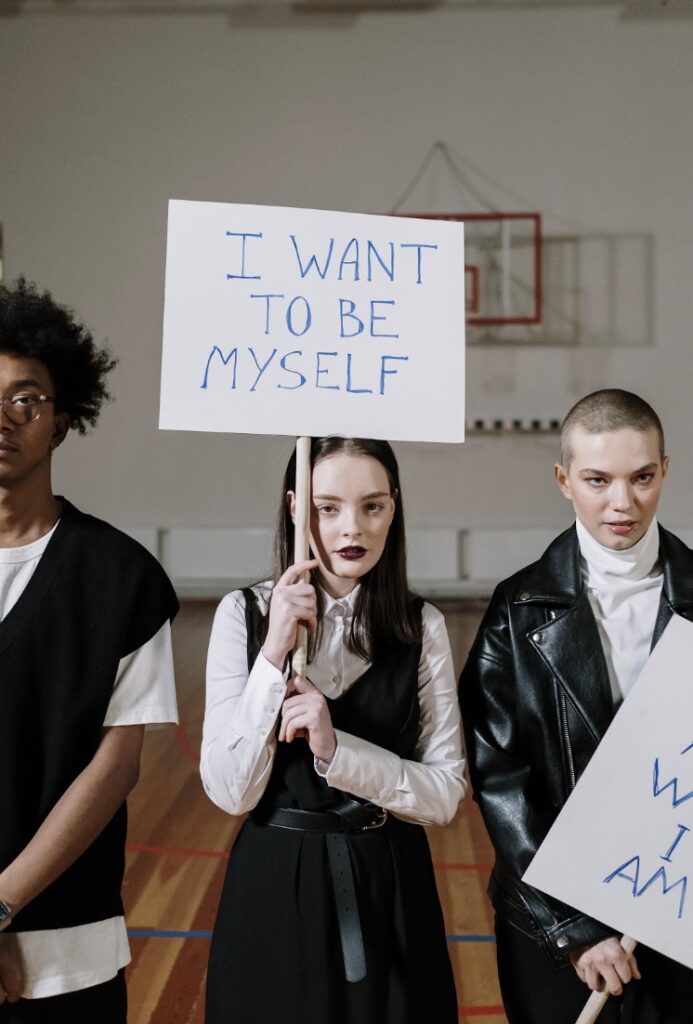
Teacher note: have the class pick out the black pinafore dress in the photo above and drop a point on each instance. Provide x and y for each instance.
(276, 955)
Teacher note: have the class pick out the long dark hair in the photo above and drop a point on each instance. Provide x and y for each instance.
(385, 613)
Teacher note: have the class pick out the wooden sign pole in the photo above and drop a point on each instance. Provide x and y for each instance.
(302, 541)
(597, 1001)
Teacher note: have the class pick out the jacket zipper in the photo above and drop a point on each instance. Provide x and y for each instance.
(563, 705)
(566, 739)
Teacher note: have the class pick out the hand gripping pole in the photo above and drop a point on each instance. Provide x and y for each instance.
(597, 1001)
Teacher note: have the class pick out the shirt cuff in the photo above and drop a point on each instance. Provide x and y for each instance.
(359, 767)
(323, 767)
(160, 715)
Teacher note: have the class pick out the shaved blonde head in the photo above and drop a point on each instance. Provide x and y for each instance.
(606, 411)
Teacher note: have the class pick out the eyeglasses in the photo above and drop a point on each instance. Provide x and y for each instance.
(24, 408)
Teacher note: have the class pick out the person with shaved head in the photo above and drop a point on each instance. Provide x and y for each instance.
(560, 646)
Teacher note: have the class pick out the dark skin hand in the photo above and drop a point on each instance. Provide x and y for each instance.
(11, 976)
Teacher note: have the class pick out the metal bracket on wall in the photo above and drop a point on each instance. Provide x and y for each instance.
(505, 426)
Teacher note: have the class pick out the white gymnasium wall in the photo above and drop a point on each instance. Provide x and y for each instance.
(584, 115)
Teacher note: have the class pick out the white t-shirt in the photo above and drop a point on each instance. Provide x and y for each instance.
(62, 960)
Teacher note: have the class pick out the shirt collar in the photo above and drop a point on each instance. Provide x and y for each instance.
(607, 565)
(343, 606)
(27, 552)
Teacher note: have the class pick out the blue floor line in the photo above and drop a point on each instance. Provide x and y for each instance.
(159, 933)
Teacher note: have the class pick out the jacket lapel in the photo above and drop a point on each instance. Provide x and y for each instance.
(571, 648)
(664, 613)
(569, 643)
(677, 588)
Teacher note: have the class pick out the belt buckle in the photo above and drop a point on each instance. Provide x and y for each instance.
(377, 822)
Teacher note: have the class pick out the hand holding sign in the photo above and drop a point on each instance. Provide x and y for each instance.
(605, 966)
(293, 602)
(597, 1001)
(305, 713)
(307, 322)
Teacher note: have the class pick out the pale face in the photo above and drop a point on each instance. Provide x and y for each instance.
(25, 449)
(351, 512)
(614, 482)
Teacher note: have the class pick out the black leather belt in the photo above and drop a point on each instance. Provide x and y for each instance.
(349, 817)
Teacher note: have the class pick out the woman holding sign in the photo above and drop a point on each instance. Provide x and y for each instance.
(329, 913)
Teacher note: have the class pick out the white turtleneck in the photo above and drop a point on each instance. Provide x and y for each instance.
(624, 588)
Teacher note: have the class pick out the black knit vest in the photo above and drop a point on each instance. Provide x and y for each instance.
(95, 596)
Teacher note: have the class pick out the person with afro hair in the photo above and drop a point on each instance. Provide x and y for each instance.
(85, 664)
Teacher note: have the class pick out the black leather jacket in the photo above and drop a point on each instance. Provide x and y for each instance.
(536, 701)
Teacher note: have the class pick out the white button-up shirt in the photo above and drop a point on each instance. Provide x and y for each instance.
(239, 741)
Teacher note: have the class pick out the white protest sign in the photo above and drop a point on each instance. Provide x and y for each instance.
(621, 850)
(304, 322)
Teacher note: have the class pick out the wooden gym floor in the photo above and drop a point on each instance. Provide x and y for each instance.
(178, 847)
